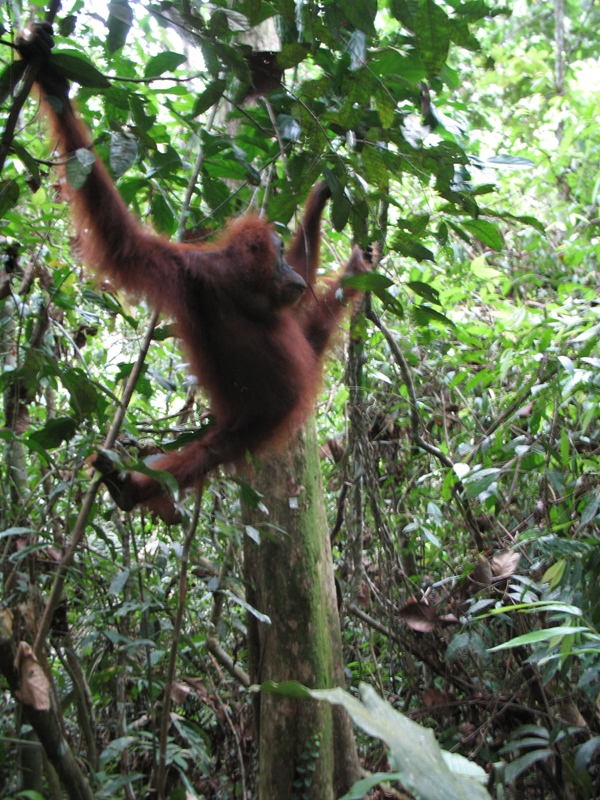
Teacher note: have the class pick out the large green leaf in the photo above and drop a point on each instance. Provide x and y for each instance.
(9, 196)
(361, 14)
(485, 231)
(54, 432)
(432, 28)
(118, 23)
(415, 756)
(9, 78)
(166, 61)
(76, 67)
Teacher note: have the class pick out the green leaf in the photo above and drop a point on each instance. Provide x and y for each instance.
(115, 748)
(413, 751)
(291, 689)
(163, 62)
(340, 210)
(143, 121)
(385, 105)
(55, 432)
(412, 249)
(480, 481)
(118, 582)
(485, 231)
(425, 291)
(76, 67)
(67, 25)
(123, 153)
(544, 635)
(423, 315)
(506, 160)
(211, 95)
(291, 55)
(360, 789)
(361, 14)
(162, 215)
(519, 765)
(9, 196)
(17, 531)
(553, 575)
(589, 510)
(369, 282)
(432, 29)
(247, 607)
(118, 23)
(375, 169)
(164, 332)
(461, 35)
(480, 269)
(9, 78)
(538, 606)
(29, 162)
(585, 753)
(79, 166)
(83, 392)
(401, 11)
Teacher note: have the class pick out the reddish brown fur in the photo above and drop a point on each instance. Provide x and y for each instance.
(257, 356)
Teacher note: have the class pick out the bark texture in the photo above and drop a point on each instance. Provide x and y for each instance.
(306, 749)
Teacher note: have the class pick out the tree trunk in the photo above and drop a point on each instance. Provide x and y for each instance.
(306, 750)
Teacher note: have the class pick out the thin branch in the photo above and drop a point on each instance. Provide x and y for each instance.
(212, 642)
(189, 192)
(409, 644)
(415, 425)
(29, 77)
(226, 661)
(415, 418)
(269, 108)
(90, 496)
(161, 770)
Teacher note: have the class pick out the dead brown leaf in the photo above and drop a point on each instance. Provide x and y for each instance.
(180, 693)
(505, 563)
(570, 714)
(34, 689)
(482, 574)
(419, 616)
(437, 700)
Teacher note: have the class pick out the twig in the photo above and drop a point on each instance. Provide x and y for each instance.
(185, 207)
(161, 770)
(236, 738)
(28, 80)
(339, 517)
(90, 496)
(225, 660)
(212, 642)
(415, 419)
(415, 424)
(409, 644)
(269, 108)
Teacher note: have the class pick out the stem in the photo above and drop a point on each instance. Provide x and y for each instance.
(19, 101)
(415, 424)
(90, 496)
(161, 771)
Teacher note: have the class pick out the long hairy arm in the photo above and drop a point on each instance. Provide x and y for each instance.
(109, 238)
(323, 316)
(303, 253)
